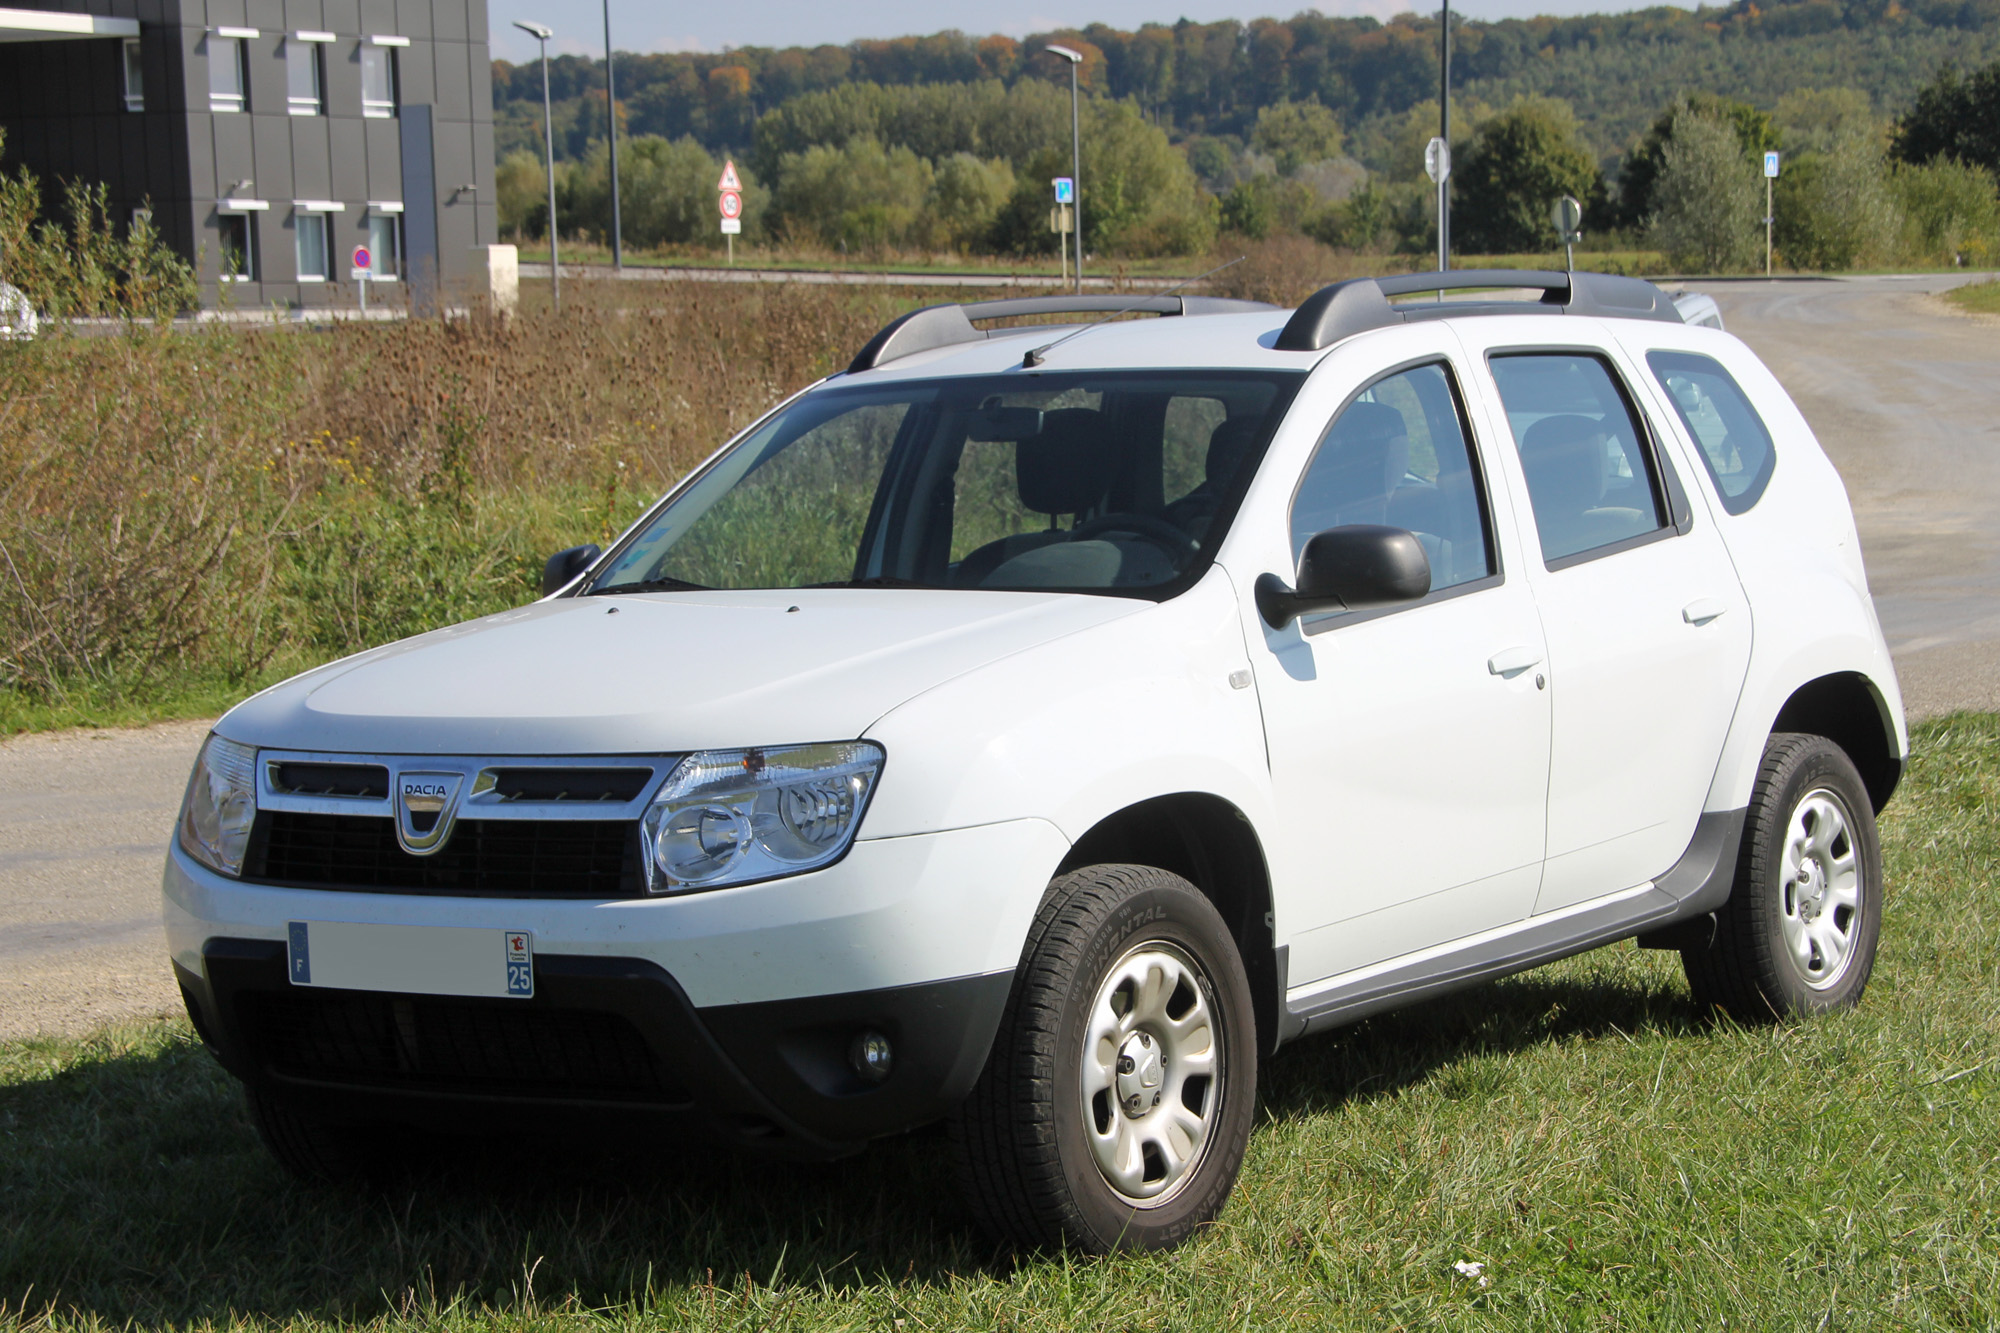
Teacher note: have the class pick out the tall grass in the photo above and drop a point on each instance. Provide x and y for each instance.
(184, 514)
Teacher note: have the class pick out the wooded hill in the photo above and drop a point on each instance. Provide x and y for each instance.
(1211, 79)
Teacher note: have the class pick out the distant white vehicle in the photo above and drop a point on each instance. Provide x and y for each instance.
(1698, 310)
(17, 315)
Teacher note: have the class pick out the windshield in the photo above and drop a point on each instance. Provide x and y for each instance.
(1112, 482)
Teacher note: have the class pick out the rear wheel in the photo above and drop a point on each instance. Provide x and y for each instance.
(1116, 1104)
(1798, 933)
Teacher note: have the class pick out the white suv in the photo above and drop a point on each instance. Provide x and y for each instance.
(1036, 728)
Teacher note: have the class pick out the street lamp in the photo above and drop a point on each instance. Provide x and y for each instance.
(1075, 58)
(611, 110)
(1444, 133)
(542, 33)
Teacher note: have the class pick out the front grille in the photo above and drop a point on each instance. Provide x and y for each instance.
(435, 1043)
(570, 784)
(484, 858)
(369, 780)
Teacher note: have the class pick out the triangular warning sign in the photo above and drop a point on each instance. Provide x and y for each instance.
(729, 180)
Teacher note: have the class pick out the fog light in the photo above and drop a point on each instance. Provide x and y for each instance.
(871, 1056)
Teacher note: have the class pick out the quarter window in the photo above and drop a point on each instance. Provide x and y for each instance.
(311, 229)
(1591, 479)
(1735, 445)
(1399, 455)
(378, 82)
(135, 76)
(228, 76)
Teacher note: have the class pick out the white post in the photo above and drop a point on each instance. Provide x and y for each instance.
(1768, 215)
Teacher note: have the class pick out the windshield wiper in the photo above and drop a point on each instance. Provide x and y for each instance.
(650, 585)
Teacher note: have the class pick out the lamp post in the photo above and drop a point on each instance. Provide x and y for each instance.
(542, 33)
(611, 111)
(1444, 132)
(1075, 58)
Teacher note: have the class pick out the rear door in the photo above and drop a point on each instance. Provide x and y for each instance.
(1647, 626)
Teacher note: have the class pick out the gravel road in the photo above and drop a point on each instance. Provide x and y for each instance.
(1904, 393)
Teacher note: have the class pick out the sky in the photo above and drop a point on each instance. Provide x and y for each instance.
(647, 25)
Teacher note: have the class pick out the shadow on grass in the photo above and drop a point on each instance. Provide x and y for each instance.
(134, 1188)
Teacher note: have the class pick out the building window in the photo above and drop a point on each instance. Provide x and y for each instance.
(385, 247)
(305, 79)
(313, 260)
(239, 253)
(135, 77)
(378, 82)
(228, 74)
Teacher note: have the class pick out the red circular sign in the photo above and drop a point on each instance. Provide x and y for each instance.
(362, 259)
(732, 204)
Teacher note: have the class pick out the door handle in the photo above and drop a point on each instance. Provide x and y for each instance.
(1511, 662)
(1703, 609)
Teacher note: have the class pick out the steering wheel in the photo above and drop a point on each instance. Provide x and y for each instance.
(1156, 530)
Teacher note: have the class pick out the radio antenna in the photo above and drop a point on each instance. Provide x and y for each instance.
(1036, 355)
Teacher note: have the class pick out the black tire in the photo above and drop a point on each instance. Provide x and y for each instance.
(313, 1148)
(1749, 970)
(1023, 1138)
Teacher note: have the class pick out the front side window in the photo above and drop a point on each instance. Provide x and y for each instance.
(1735, 446)
(135, 76)
(239, 259)
(302, 78)
(385, 247)
(1105, 482)
(228, 75)
(378, 82)
(313, 262)
(1590, 477)
(1398, 455)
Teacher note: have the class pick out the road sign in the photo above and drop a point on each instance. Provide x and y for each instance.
(732, 226)
(362, 259)
(1770, 166)
(1065, 189)
(1062, 219)
(1437, 160)
(731, 204)
(1567, 214)
(729, 180)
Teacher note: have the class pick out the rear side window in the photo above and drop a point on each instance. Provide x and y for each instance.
(1590, 476)
(1735, 447)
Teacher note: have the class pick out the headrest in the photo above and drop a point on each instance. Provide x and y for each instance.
(1227, 445)
(1371, 452)
(1564, 459)
(1067, 468)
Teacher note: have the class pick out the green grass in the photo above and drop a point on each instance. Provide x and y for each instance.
(1981, 298)
(1615, 1161)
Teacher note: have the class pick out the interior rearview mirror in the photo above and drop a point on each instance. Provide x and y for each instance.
(564, 566)
(994, 423)
(1355, 568)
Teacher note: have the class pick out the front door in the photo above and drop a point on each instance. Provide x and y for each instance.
(1648, 628)
(1408, 748)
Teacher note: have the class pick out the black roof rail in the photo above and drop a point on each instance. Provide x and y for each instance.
(1360, 304)
(945, 325)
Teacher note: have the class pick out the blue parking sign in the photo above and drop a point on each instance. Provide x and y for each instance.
(1065, 190)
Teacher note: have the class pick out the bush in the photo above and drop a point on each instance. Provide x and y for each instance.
(1706, 197)
(967, 194)
(1950, 212)
(860, 195)
(521, 187)
(1833, 209)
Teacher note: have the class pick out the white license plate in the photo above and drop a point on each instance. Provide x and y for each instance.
(417, 960)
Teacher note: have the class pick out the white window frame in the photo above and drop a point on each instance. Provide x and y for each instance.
(238, 51)
(135, 74)
(311, 45)
(392, 213)
(304, 211)
(385, 47)
(247, 209)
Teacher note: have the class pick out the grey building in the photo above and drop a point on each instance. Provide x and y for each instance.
(269, 138)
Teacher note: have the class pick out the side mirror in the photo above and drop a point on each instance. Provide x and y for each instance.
(564, 566)
(1354, 568)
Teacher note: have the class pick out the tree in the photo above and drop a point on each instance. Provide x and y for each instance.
(1819, 120)
(861, 195)
(521, 187)
(666, 193)
(1756, 134)
(967, 194)
(1950, 212)
(1295, 133)
(1706, 201)
(1955, 118)
(1520, 162)
(1833, 209)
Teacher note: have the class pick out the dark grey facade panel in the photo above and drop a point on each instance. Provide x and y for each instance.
(448, 24)
(414, 64)
(452, 98)
(378, 18)
(347, 174)
(413, 18)
(312, 159)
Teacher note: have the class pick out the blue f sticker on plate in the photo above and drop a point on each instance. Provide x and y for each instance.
(520, 964)
(301, 958)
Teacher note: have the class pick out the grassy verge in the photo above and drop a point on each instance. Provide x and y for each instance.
(1981, 298)
(1612, 1160)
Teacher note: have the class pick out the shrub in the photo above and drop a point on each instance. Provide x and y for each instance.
(1706, 196)
(1950, 211)
(1833, 209)
(1520, 162)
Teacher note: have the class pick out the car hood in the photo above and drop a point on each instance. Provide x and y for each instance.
(654, 673)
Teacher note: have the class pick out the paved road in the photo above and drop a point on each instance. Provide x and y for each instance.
(1905, 395)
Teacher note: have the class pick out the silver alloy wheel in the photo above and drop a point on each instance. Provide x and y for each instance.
(1153, 1067)
(1819, 903)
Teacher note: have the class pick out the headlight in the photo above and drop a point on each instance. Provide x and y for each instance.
(733, 816)
(220, 805)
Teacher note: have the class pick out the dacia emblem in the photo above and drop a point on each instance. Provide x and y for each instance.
(426, 807)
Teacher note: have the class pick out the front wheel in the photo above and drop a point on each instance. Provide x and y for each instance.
(1116, 1104)
(1798, 933)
